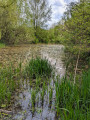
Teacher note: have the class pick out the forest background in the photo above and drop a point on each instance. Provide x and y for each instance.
(25, 21)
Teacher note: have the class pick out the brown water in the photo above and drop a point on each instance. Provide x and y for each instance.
(22, 107)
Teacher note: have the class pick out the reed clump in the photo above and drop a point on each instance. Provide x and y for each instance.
(33, 99)
(38, 71)
(73, 101)
(9, 81)
(37, 68)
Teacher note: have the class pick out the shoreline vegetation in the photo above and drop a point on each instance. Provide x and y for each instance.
(71, 101)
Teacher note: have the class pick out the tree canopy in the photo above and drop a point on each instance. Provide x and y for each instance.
(25, 14)
(75, 28)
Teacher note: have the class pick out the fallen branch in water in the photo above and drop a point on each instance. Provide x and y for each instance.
(5, 111)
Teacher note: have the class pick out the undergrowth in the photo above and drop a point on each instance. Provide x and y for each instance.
(2, 45)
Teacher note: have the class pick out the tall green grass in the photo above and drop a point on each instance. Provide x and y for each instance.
(73, 101)
(38, 68)
(8, 83)
(39, 72)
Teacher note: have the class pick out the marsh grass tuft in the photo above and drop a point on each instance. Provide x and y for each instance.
(50, 95)
(9, 81)
(37, 68)
(39, 72)
(33, 99)
(72, 101)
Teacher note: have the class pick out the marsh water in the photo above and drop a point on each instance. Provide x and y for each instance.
(22, 105)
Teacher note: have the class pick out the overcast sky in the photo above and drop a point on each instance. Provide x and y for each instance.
(58, 8)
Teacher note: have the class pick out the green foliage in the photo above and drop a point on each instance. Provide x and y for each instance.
(78, 27)
(15, 29)
(23, 34)
(8, 18)
(50, 94)
(2, 45)
(72, 101)
(41, 13)
(38, 67)
(42, 35)
(8, 83)
(73, 30)
(51, 35)
(33, 99)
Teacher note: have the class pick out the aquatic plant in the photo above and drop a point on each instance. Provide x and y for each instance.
(50, 95)
(9, 81)
(72, 101)
(42, 93)
(38, 67)
(38, 83)
(33, 99)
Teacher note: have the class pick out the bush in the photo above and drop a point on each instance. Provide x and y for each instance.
(42, 35)
(20, 34)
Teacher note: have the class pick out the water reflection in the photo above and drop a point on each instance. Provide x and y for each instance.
(54, 54)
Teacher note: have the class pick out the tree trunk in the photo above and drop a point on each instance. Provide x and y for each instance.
(76, 67)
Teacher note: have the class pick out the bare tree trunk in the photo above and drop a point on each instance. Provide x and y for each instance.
(76, 67)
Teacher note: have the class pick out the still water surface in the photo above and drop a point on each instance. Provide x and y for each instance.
(55, 55)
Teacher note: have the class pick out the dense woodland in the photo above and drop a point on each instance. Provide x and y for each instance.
(23, 21)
